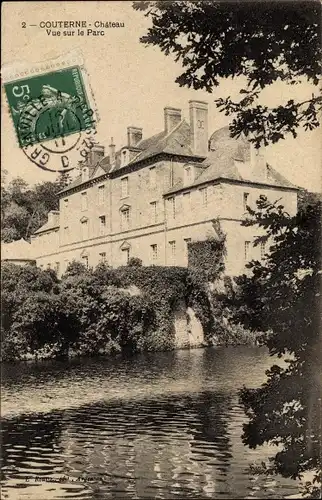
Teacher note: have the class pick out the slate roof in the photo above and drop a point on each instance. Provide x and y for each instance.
(104, 164)
(221, 163)
(176, 142)
(225, 152)
(46, 227)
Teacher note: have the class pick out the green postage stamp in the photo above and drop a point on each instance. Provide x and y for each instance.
(52, 110)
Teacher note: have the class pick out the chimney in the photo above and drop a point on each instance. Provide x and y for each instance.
(134, 136)
(172, 116)
(53, 217)
(95, 155)
(112, 152)
(199, 127)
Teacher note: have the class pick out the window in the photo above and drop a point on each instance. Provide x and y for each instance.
(245, 200)
(84, 201)
(125, 157)
(186, 203)
(247, 250)
(154, 212)
(172, 207)
(57, 267)
(84, 230)
(172, 245)
(263, 249)
(101, 195)
(66, 203)
(102, 220)
(85, 174)
(187, 175)
(186, 243)
(125, 218)
(85, 261)
(204, 196)
(66, 262)
(102, 256)
(66, 232)
(154, 253)
(125, 256)
(124, 187)
(152, 177)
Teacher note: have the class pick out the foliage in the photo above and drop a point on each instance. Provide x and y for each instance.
(197, 297)
(165, 287)
(21, 284)
(24, 209)
(105, 310)
(135, 262)
(264, 42)
(75, 268)
(92, 312)
(207, 256)
(281, 298)
(209, 292)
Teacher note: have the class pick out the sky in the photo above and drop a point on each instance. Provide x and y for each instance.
(132, 84)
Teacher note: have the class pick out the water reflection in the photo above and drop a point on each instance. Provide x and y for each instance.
(178, 437)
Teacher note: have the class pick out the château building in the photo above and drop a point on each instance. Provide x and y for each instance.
(153, 196)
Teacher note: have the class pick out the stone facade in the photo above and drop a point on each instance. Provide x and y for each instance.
(153, 196)
(18, 252)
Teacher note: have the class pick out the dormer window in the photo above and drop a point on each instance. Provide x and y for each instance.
(85, 174)
(125, 157)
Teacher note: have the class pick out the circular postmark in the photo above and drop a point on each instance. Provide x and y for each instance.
(56, 133)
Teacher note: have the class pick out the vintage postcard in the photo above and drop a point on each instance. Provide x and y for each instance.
(160, 249)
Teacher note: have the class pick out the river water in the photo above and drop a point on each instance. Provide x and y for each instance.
(160, 425)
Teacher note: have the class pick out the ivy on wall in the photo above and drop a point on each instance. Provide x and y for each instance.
(107, 310)
(207, 256)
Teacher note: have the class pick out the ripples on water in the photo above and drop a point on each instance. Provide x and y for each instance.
(161, 425)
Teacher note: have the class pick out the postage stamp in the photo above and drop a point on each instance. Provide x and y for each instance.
(52, 110)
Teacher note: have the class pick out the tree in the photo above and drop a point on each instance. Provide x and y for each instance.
(25, 209)
(21, 285)
(262, 41)
(281, 298)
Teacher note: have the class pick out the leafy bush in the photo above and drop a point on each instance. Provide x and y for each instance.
(92, 312)
(207, 256)
(134, 262)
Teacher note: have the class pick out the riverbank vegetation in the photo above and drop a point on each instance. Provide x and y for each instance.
(124, 310)
(102, 310)
(281, 297)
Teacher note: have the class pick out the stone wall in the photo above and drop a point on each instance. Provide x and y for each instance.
(187, 327)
